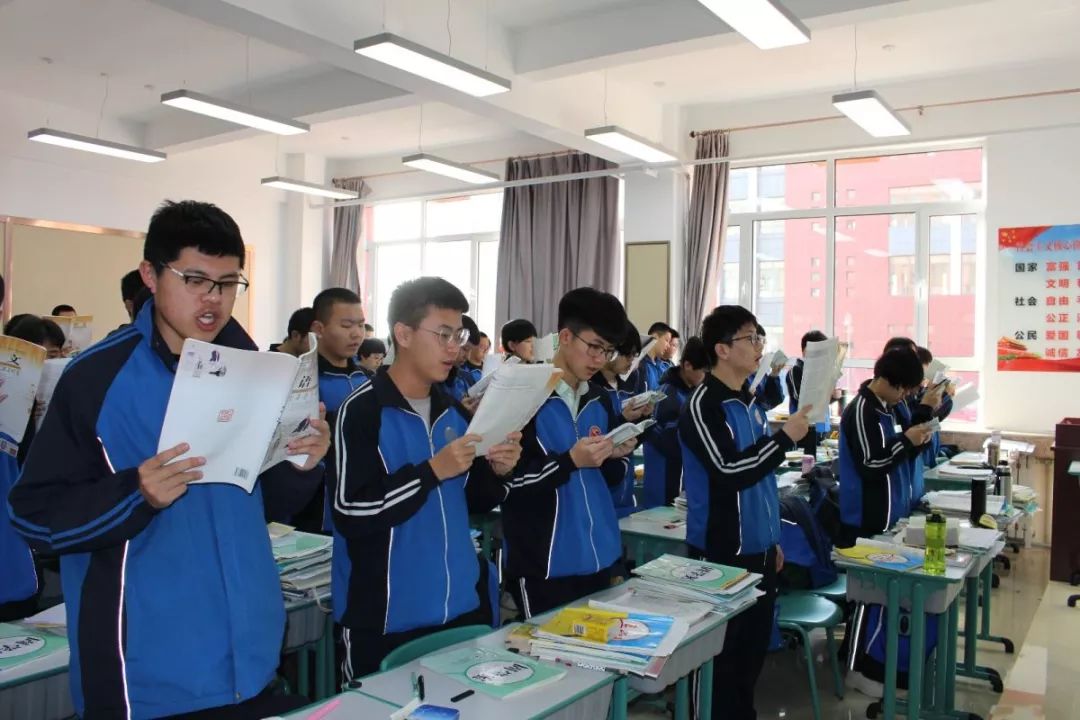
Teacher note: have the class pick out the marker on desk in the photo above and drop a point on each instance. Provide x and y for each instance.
(462, 696)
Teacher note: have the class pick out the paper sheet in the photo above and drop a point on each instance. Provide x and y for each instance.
(768, 361)
(21, 365)
(300, 408)
(822, 365)
(50, 376)
(647, 342)
(965, 396)
(226, 403)
(515, 394)
(935, 369)
(544, 348)
(490, 368)
(78, 332)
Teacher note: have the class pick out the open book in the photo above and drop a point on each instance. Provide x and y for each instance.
(628, 431)
(513, 396)
(768, 362)
(300, 408)
(491, 364)
(823, 364)
(229, 406)
(78, 332)
(21, 364)
(50, 376)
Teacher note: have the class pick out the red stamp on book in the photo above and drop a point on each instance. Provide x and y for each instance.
(594, 431)
(225, 416)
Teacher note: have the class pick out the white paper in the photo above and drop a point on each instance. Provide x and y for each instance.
(628, 431)
(935, 368)
(226, 403)
(647, 342)
(78, 332)
(544, 348)
(764, 367)
(515, 394)
(965, 396)
(960, 501)
(21, 365)
(50, 376)
(301, 406)
(481, 385)
(821, 364)
(54, 617)
(649, 397)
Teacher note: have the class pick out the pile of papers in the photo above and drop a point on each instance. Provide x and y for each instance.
(680, 503)
(303, 561)
(728, 590)
(964, 471)
(959, 501)
(492, 671)
(1022, 495)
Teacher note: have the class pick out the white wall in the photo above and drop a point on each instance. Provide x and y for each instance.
(43, 182)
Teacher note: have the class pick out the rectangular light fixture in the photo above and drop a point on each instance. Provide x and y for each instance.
(284, 183)
(231, 112)
(89, 144)
(413, 58)
(871, 113)
(766, 23)
(440, 166)
(629, 144)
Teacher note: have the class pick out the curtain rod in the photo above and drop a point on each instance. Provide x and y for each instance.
(920, 108)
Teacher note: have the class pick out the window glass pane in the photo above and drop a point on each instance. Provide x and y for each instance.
(798, 186)
(785, 304)
(485, 293)
(395, 221)
(728, 290)
(451, 261)
(951, 283)
(945, 176)
(466, 214)
(394, 264)
(874, 298)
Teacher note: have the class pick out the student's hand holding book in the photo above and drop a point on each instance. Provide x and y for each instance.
(919, 434)
(456, 458)
(624, 449)
(504, 456)
(591, 452)
(798, 424)
(635, 414)
(162, 481)
(932, 398)
(314, 446)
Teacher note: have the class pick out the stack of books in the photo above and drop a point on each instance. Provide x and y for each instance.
(729, 590)
(303, 561)
(680, 503)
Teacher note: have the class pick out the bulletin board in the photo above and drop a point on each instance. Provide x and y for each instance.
(646, 284)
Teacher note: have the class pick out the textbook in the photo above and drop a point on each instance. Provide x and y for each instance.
(881, 554)
(701, 576)
(78, 332)
(20, 644)
(498, 673)
(643, 600)
(639, 634)
(50, 376)
(629, 431)
(490, 369)
(233, 406)
(515, 394)
(21, 365)
(301, 406)
(822, 367)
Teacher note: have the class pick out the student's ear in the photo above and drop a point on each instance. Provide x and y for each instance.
(565, 337)
(148, 275)
(402, 335)
(722, 350)
(318, 328)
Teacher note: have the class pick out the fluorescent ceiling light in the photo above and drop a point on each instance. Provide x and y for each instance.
(766, 23)
(231, 112)
(416, 59)
(871, 113)
(629, 144)
(89, 144)
(284, 183)
(439, 166)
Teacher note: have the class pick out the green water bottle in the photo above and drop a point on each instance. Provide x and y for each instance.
(935, 544)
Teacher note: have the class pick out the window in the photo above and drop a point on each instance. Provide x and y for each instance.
(453, 238)
(729, 269)
(900, 233)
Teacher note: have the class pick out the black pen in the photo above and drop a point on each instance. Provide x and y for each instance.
(420, 686)
(461, 696)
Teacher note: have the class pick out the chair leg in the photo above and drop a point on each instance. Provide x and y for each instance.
(838, 683)
(810, 674)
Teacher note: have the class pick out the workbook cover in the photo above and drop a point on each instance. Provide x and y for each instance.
(869, 555)
(494, 672)
(706, 577)
(20, 645)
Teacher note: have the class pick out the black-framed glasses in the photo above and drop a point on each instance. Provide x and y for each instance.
(202, 285)
(448, 337)
(755, 339)
(596, 350)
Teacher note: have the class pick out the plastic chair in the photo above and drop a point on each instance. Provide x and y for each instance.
(802, 612)
(431, 643)
(835, 591)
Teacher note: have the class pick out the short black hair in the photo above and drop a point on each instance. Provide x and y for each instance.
(517, 331)
(720, 326)
(674, 333)
(323, 305)
(34, 329)
(659, 328)
(630, 345)
(372, 346)
(11, 328)
(694, 353)
(300, 321)
(54, 335)
(899, 342)
(760, 329)
(812, 336)
(61, 308)
(474, 331)
(587, 308)
(189, 223)
(925, 356)
(130, 285)
(411, 299)
(368, 327)
(900, 368)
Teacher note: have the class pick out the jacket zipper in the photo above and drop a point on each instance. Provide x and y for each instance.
(446, 535)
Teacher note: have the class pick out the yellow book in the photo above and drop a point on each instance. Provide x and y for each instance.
(588, 623)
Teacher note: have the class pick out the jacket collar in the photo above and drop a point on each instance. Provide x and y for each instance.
(876, 402)
(674, 378)
(326, 368)
(388, 395)
(719, 389)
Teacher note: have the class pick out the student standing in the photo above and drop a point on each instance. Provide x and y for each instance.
(474, 361)
(650, 366)
(339, 327)
(670, 356)
(372, 354)
(130, 285)
(562, 536)
(729, 459)
(407, 477)
(663, 456)
(518, 340)
(173, 598)
(793, 382)
(296, 341)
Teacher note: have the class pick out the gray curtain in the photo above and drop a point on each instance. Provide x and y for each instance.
(555, 237)
(348, 224)
(705, 229)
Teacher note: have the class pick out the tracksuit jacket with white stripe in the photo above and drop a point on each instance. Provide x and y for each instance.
(168, 611)
(729, 459)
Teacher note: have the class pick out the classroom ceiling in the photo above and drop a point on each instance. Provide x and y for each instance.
(574, 63)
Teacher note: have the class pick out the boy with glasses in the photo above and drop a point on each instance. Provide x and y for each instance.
(729, 458)
(407, 478)
(562, 536)
(770, 391)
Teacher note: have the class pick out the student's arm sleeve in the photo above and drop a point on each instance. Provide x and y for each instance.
(69, 498)
(667, 428)
(871, 453)
(484, 490)
(366, 497)
(703, 428)
(772, 392)
(945, 409)
(286, 489)
(538, 472)
(920, 413)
